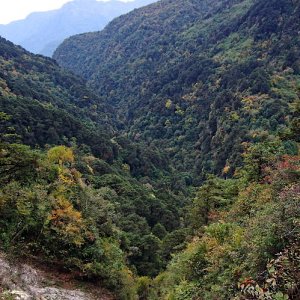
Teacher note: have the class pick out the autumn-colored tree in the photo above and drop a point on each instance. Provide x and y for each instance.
(67, 222)
(61, 155)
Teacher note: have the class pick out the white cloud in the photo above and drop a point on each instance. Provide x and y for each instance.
(18, 9)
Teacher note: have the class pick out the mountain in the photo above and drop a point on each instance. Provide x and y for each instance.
(42, 32)
(94, 199)
(174, 173)
(197, 78)
(48, 105)
(215, 85)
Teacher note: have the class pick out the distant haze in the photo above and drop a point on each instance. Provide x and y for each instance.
(12, 10)
(42, 32)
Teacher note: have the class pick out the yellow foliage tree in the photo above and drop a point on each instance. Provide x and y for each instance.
(67, 221)
(168, 103)
(61, 155)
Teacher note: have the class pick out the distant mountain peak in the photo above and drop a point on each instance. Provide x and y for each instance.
(42, 32)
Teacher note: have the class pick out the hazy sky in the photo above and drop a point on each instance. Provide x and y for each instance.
(18, 9)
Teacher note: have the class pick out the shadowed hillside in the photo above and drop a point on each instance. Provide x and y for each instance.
(198, 78)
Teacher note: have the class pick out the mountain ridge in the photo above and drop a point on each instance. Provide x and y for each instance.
(176, 174)
(169, 66)
(95, 202)
(42, 32)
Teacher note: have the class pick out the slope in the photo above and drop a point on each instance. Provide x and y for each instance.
(47, 105)
(195, 78)
(95, 203)
(42, 32)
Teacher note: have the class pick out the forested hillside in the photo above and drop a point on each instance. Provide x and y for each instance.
(174, 173)
(73, 192)
(198, 78)
(47, 105)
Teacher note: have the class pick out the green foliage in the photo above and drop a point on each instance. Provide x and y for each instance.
(159, 230)
(144, 288)
(250, 247)
(42, 104)
(5, 295)
(48, 208)
(198, 87)
(214, 195)
(59, 218)
(260, 155)
(86, 192)
(195, 78)
(17, 162)
(60, 155)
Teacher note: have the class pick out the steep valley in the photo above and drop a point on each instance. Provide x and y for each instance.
(168, 167)
(181, 75)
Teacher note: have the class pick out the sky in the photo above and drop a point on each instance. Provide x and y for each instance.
(12, 10)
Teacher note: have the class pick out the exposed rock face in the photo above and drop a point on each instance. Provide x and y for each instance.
(23, 282)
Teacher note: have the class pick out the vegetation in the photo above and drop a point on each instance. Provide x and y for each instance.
(95, 224)
(246, 236)
(195, 78)
(180, 178)
(71, 190)
(49, 211)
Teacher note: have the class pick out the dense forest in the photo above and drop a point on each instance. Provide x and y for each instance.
(198, 78)
(169, 166)
(67, 177)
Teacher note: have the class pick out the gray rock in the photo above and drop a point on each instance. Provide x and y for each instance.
(25, 283)
(59, 294)
(20, 295)
(28, 276)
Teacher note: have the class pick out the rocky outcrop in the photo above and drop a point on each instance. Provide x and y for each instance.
(24, 282)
